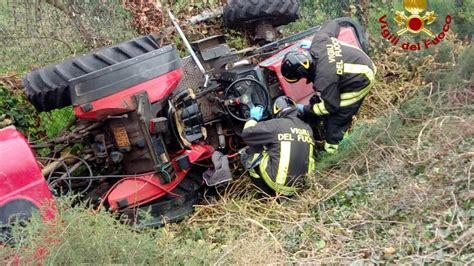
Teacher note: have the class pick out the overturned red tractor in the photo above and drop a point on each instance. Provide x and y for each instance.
(149, 121)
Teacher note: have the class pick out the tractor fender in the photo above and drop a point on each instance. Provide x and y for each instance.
(23, 189)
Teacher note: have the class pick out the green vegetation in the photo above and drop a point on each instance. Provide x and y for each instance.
(399, 191)
(15, 109)
(54, 121)
(33, 37)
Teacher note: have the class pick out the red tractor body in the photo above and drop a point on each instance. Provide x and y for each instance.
(23, 188)
(134, 191)
(158, 88)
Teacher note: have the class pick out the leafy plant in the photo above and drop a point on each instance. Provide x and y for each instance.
(54, 121)
(15, 106)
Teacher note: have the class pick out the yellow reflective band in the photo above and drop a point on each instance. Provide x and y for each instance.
(320, 109)
(254, 158)
(250, 123)
(311, 160)
(287, 191)
(285, 152)
(349, 98)
(253, 174)
(330, 148)
(263, 165)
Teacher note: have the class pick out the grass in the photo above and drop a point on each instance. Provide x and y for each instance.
(53, 122)
(32, 37)
(16, 110)
(399, 191)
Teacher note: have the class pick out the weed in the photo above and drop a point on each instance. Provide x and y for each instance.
(16, 108)
(236, 40)
(54, 121)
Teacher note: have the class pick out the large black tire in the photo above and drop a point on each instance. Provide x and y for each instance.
(242, 13)
(48, 88)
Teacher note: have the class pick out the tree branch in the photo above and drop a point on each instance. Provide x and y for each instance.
(58, 4)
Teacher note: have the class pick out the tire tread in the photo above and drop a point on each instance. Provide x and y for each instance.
(278, 12)
(47, 88)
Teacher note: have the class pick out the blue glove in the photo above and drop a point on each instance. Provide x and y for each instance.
(256, 112)
(300, 108)
(306, 44)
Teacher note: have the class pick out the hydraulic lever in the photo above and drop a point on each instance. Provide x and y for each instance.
(189, 48)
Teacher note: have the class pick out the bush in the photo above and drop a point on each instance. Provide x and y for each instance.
(81, 234)
(15, 107)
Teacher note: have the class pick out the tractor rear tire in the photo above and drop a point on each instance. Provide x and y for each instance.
(247, 13)
(47, 88)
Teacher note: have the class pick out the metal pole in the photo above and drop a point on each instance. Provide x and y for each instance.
(188, 46)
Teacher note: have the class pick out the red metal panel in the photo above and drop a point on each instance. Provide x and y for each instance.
(119, 103)
(134, 191)
(20, 175)
(199, 152)
(347, 35)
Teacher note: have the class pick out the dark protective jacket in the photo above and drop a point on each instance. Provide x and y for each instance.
(343, 75)
(287, 150)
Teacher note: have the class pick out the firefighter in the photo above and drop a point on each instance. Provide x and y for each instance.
(280, 152)
(341, 74)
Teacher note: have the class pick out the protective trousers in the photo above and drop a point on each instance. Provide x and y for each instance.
(335, 125)
(251, 160)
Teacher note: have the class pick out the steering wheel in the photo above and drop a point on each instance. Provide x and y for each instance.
(244, 94)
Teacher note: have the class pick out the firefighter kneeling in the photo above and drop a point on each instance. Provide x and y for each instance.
(280, 152)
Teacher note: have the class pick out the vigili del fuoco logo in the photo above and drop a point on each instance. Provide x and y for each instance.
(417, 21)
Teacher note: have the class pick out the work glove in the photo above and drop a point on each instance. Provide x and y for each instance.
(256, 112)
(314, 100)
(305, 44)
(300, 108)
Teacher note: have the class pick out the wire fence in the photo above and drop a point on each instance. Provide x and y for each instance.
(38, 32)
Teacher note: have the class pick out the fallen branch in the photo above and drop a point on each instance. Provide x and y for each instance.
(54, 165)
(206, 15)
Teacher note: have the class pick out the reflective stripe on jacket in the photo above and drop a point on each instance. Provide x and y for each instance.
(288, 150)
(344, 74)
